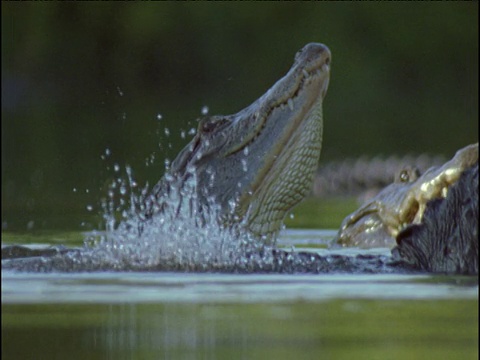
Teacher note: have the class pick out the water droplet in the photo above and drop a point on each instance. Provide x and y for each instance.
(292, 216)
(89, 207)
(166, 131)
(159, 116)
(106, 154)
(244, 165)
(120, 92)
(183, 134)
(116, 167)
(30, 225)
(74, 190)
(192, 131)
(204, 110)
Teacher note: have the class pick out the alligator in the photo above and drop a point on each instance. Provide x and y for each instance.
(255, 165)
(378, 221)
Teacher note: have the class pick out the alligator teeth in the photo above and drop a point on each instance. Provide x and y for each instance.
(290, 104)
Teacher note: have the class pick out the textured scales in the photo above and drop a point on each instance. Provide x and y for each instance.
(252, 167)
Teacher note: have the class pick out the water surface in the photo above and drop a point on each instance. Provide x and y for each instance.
(135, 315)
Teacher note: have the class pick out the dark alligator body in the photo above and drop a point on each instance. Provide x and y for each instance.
(447, 239)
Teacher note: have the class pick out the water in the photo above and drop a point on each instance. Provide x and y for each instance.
(171, 315)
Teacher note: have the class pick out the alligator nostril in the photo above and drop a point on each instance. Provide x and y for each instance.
(327, 60)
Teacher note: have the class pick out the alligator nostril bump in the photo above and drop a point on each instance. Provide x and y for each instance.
(327, 60)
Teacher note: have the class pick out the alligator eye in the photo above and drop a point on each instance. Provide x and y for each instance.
(404, 176)
(409, 174)
(297, 55)
(209, 125)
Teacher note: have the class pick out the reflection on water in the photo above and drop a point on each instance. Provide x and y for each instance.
(360, 329)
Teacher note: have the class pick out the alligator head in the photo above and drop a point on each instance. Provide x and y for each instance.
(255, 165)
(378, 221)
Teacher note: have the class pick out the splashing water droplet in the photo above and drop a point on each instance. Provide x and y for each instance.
(159, 117)
(106, 154)
(181, 233)
(204, 110)
(120, 92)
(244, 165)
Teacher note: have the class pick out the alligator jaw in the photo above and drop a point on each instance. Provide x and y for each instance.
(290, 136)
(292, 97)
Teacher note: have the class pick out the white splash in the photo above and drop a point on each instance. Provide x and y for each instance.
(182, 236)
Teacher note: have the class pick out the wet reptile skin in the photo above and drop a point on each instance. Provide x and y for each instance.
(255, 165)
(378, 221)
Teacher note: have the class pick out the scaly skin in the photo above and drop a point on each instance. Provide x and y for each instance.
(254, 166)
(378, 222)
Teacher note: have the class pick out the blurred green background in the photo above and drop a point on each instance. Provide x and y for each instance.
(81, 78)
